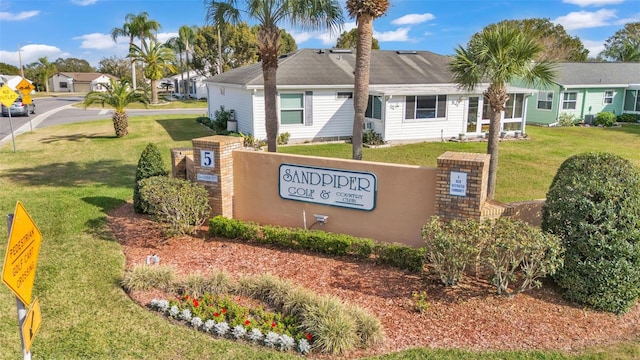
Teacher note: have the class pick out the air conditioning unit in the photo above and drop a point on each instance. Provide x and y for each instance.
(232, 115)
(588, 119)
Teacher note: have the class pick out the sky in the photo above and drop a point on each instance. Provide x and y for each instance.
(82, 28)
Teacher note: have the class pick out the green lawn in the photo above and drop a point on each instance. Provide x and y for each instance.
(69, 176)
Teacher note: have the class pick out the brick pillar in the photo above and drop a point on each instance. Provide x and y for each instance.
(213, 167)
(179, 162)
(461, 185)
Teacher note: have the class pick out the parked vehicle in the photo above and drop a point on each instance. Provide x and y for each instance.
(18, 108)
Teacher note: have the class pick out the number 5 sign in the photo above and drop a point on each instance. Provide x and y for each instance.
(206, 158)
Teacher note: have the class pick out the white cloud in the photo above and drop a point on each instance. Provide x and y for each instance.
(594, 47)
(7, 16)
(98, 41)
(164, 37)
(412, 19)
(84, 2)
(586, 19)
(583, 3)
(328, 38)
(400, 34)
(31, 53)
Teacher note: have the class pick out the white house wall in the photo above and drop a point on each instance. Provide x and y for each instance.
(399, 129)
(239, 100)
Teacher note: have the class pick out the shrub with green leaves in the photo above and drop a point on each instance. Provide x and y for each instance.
(567, 119)
(593, 205)
(233, 228)
(219, 122)
(450, 247)
(628, 118)
(150, 164)
(605, 119)
(181, 204)
(401, 256)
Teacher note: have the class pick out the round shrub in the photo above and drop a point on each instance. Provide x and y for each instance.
(605, 119)
(149, 165)
(593, 205)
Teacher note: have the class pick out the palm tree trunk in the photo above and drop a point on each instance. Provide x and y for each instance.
(188, 75)
(497, 97)
(268, 43)
(154, 91)
(181, 75)
(361, 81)
(133, 67)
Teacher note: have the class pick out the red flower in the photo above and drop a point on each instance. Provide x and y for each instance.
(186, 296)
(273, 324)
(224, 311)
(247, 322)
(196, 303)
(215, 314)
(308, 336)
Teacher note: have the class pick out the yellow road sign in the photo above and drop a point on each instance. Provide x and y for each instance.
(7, 96)
(21, 258)
(25, 87)
(26, 99)
(31, 324)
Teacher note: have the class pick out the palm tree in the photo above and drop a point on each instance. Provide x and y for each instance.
(188, 36)
(269, 14)
(365, 11)
(136, 26)
(158, 58)
(176, 44)
(500, 53)
(118, 95)
(46, 70)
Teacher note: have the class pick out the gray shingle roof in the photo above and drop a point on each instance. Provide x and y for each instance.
(572, 74)
(335, 68)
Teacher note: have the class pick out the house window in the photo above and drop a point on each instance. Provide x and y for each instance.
(374, 107)
(291, 109)
(569, 100)
(98, 86)
(513, 109)
(425, 107)
(608, 97)
(545, 100)
(632, 100)
(344, 95)
(63, 85)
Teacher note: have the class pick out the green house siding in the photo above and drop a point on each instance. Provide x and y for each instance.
(594, 101)
(537, 116)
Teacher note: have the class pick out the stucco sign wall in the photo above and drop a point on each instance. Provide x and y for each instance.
(349, 189)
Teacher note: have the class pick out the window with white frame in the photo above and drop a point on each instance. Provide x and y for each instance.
(425, 107)
(632, 100)
(545, 100)
(608, 97)
(291, 108)
(344, 95)
(569, 100)
(374, 107)
(63, 85)
(513, 108)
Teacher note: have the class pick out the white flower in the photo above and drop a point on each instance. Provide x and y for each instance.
(185, 315)
(208, 325)
(162, 305)
(196, 322)
(174, 311)
(238, 331)
(272, 339)
(286, 342)
(303, 346)
(255, 334)
(221, 328)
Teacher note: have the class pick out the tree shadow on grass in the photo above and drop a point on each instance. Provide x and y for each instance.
(99, 227)
(69, 174)
(74, 138)
(184, 129)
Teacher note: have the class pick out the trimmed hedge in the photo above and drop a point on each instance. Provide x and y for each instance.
(322, 242)
(593, 205)
(150, 164)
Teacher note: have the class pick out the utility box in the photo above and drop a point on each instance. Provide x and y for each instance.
(232, 124)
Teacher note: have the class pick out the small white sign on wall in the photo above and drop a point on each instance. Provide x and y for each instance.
(207, 177)
(206, 159)
(458, 184)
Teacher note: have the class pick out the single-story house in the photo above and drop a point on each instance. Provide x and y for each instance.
(79, 82)
(586, 89)
(196, 89)
(411, 97)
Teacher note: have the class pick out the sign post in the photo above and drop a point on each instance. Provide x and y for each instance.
(19, 270)
(25, 88)
(7, 97)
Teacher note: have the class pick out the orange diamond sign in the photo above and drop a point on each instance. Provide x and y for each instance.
(21, 258)
(25, 87)
(31, 324)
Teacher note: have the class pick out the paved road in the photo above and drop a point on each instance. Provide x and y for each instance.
(59, 110)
